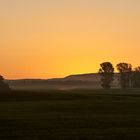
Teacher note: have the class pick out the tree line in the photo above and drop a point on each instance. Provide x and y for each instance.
(128, 77)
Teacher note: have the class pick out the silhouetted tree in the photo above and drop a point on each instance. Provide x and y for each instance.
(3, 85)
(136, 77)
(107, 74)
(125, 71)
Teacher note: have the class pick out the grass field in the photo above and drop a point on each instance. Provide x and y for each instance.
(70, 115)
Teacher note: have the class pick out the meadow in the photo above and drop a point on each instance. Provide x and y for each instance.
(70, 115)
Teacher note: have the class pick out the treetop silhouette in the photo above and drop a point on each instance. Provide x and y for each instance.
(107, 73)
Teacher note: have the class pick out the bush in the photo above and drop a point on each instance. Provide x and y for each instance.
(3, 86)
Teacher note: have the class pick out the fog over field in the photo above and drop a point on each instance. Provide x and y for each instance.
(80, 81)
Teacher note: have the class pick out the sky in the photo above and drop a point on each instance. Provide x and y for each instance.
(56, 38)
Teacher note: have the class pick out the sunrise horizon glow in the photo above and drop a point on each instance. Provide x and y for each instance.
(51, 39)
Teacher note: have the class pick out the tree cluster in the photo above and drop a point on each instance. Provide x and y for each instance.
(128, 77)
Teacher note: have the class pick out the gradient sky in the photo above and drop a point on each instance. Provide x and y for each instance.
(55, 38)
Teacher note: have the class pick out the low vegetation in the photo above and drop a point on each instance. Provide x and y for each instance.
(87, 114)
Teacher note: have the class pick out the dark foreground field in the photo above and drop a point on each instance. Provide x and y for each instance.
(72, 115)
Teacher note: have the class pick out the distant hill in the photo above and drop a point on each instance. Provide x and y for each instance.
(94, 77)
(90, 77)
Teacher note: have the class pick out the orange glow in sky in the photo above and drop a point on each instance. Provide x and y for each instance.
(55, 38)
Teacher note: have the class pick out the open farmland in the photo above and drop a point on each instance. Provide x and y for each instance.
(76, 114)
